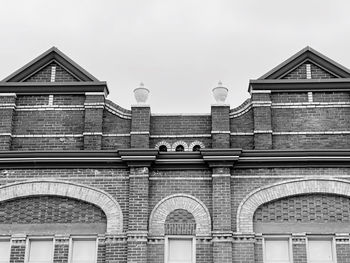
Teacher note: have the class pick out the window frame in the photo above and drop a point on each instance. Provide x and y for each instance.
(321, 237)
(8, 239)
(278, 237)
(71, 240)
(38, 238)
(183, 237)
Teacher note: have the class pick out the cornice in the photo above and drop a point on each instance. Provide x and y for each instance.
(53, 87)
(124, 158)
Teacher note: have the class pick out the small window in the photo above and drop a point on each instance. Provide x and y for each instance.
(40, 251)
(277, 250)
(4, 251)
(163, 148)
(196, 148)
(179, 148)
(180, 250)
(320, 250)
(83, 251)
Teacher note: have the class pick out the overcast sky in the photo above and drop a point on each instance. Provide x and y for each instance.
(180, 49)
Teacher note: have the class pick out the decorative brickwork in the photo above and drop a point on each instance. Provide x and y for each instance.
(319, 208)
(71, 190)
(179, 201)
(279, 190)
(180, 222)
(44, 75)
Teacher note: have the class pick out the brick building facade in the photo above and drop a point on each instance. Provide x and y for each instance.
(85, 180)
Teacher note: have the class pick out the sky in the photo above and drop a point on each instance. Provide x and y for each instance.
(180, 49)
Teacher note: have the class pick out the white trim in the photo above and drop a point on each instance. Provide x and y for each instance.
(50, 100)
(45, 135)
(8, 95)
(262, 131)
(165, 143)
(166, 246)
(220, 105)
(180, 136)
(177, 143)
(260, 91)
(7, 239)
(116, 134)
(179, 114)
(53, 74)
(237, 113)
(242, 133)
(308, 71)
(141, 105)
(310, 97)
(220, 132)
(95, 94)
(321, 237)
(71, 240)
(40, 238)
(303, 105)
(117, 112)
(92, 133)
(221, 175)
(278, 237)
(311, 133)
(180, 178)
(139, 133)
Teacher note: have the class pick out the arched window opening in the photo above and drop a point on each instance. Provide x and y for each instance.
(180, 148)
(196, 148)
(163, 148)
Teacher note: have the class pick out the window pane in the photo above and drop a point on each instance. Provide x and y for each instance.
(180, 250)
(320, 250)
(40, 251)
(277, 250)
(84, 251)
(4, 250)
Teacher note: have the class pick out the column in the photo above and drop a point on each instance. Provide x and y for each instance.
(18, 248)
(138, 214)
(220, 131)
(222, 233)
(94, 105)
(7, 108)
(61, 249)
(140, 125)
(261, 102)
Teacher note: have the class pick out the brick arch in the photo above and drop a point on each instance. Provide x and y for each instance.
(85, 193)
(279, 190)
(180, 201)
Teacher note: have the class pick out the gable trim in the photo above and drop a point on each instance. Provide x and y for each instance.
(45, 58)
(304, 54)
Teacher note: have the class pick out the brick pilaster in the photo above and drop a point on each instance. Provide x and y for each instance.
(222, 233)
(220, 126)
(299, 248)
(244, 249)
(138, 214)
(115, 247)
(18, 248)
(94, 105)
(61, 249)
(342, 242)
(140, 126)
(262, 120)
(7, 108)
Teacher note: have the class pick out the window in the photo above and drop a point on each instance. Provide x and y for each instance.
(40, 251)
(179, 148)
(83, 250)
(320, 250)
(4, 250)
(163, 148)
(196, 148)
(180, 249)
(277, 250)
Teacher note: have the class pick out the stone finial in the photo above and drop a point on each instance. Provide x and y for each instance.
(220, 93)
(141, 94)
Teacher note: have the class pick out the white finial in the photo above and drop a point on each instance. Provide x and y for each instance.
(141, 94)
(220, 93)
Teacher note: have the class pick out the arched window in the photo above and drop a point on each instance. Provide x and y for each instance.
(180, 148)
(196, 148)
(163, 148)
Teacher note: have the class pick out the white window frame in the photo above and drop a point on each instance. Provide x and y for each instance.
(184, 237)
(71, 240)
(278, 237)
(38, 238)
(321, 237)
(8, 239)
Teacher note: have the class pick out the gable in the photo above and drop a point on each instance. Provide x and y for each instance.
(309, 70)
(307, 64)
(51, 66)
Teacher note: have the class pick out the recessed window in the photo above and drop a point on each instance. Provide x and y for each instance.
(320, 250)
(4, 251)
(180, 250)
(83, 251)
(277, 250)
(179, 148)
(163, 148)
(196, 148)
(40, 251)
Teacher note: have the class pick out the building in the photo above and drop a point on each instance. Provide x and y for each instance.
(84, 180)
